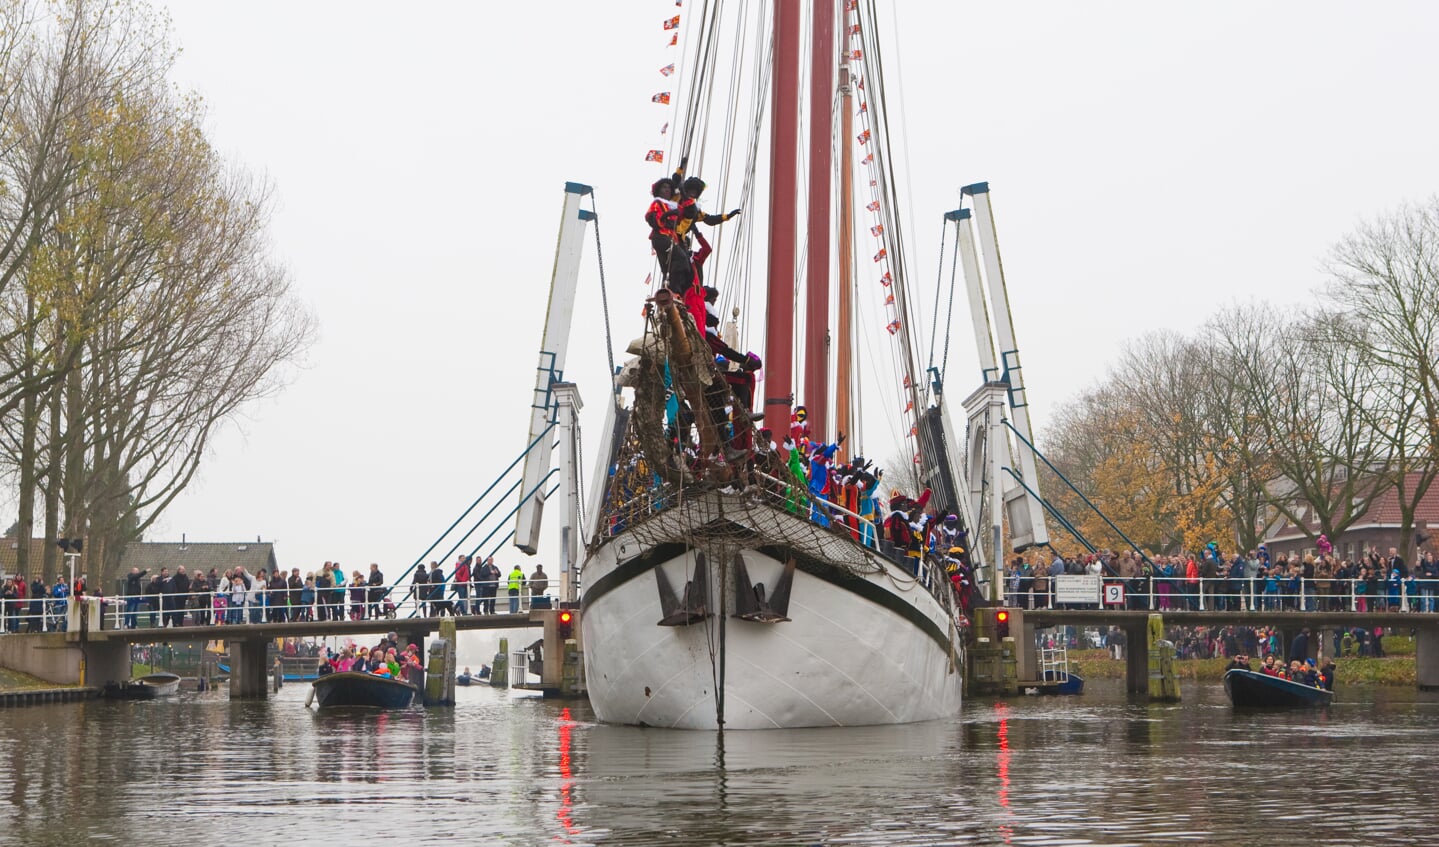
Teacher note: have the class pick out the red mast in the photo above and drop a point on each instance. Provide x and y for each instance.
(784, 149)
(821, 125)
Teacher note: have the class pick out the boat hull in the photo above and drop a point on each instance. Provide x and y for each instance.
(1254, 690)
(861, 646)
(362, 690)
(148, 687)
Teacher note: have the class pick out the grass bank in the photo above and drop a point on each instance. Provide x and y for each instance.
(16, 681)
(1396, 668)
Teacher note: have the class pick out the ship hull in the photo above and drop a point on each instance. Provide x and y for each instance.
(866, 641)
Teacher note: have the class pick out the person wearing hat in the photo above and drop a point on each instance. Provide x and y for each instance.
(819, 459)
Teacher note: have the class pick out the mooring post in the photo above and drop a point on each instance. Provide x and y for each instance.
(1426, 658)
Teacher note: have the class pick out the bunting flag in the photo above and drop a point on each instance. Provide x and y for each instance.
(853, 28)
(913, 431)
(649, 279)
(873, 206)
(916, 459)
(893, 326)
(886, 280)
(863, 106)
(909, 407)
(879, 257)
(852, 6)
(873, 183)
(906, 381)
(859, 83)
(863, 136)
(889, 301)
(868, 157)
(663, 97)
(673, 23)
(655, 156)
(856, 55)
(666, 128)
(674, 39)
(877, 230)
(670, 68)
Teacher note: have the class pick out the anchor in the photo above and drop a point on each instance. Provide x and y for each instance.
(750, 602)
(693, 608)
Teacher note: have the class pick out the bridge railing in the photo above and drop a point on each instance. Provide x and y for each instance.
(203, 608)
(1162, 594)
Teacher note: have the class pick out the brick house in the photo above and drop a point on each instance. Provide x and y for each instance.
(1378, 527)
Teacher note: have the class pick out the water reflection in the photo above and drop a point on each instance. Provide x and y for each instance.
(1095, 770)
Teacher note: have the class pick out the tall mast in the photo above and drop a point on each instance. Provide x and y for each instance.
(821, 126)
(784, 149)
(844, 332)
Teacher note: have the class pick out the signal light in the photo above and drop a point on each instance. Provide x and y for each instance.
(1001, 623)
(566, 624)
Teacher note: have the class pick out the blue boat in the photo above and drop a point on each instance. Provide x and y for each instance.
(1062, 682)
(1254, 690)
(364, 690)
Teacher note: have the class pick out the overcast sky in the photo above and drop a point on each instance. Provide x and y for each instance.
(1148, 164)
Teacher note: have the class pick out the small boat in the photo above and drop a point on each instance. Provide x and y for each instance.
(146, 687)
(1063, 682)
(363, 689)
(1254, 690)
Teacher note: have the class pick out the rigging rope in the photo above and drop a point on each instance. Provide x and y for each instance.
(604, 292)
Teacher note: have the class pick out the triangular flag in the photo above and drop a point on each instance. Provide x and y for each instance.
(869, 157)
(863, 137)
(863, 106)
(852, 6)
(893, 326)
(906, 380)
(856, 56)
(673, 23)
(909, 407)
(649, 279)
(655, 156)
(913, 431)
(854, 29)
(859, 83)
(916, 458)
(879, 257)
(886, 280)
(889, 301)
(670, 68)
(666, 128)
(662, 97)
(877, 230)
(873, 206)
(674, 39)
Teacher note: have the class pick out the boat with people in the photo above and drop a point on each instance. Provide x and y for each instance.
(1256, 690)
(361, 689)
(147, 687)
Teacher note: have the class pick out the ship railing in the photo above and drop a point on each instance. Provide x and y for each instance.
(1243, 594)
(1054, 663)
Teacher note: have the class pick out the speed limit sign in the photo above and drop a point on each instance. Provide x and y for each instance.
(1114, 593)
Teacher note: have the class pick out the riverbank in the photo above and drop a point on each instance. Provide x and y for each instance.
(1396, 668)
(16, 681)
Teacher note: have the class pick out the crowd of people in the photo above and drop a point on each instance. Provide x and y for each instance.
(34, 606)
(1250, 582)
(196, 597)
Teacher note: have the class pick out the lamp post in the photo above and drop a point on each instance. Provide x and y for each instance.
(72, 548)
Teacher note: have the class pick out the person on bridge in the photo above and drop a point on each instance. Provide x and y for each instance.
(462, 585)
(377, 592)
(133, 588)
(516, 584)
(439, 606)
(539, 584)
(489, 585)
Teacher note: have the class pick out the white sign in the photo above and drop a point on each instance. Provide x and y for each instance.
(1076, 589)
(1114, 593)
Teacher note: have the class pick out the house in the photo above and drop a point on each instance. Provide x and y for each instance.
(9, 555)
(1378, 527)
(220, 556)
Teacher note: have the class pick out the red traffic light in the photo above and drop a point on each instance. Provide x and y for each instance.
(1002, 616)
(566, 616)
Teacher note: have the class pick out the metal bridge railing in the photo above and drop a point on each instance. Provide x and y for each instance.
(1179, 594)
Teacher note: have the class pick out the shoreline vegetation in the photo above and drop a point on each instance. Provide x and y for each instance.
(1395, 668)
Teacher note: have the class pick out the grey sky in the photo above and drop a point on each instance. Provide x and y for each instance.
(1149, 163)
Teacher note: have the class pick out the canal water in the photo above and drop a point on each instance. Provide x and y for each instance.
(200, 770)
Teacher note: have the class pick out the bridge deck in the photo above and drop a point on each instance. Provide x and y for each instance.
(1288, 619)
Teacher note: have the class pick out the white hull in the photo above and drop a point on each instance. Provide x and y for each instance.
(881, 652)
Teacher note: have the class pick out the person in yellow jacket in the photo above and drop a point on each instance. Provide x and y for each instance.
(516, 585)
